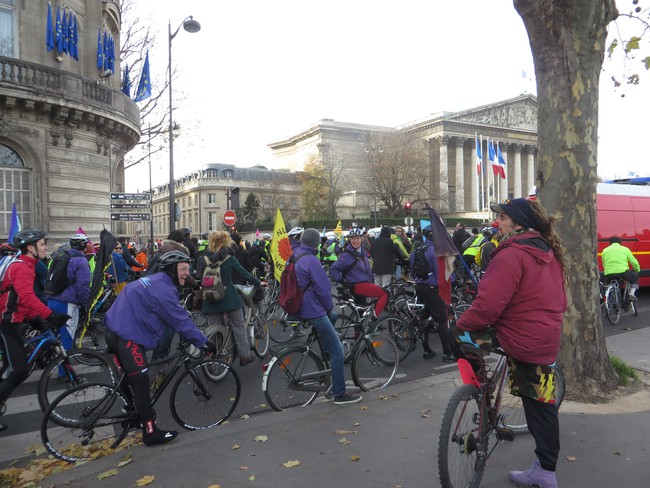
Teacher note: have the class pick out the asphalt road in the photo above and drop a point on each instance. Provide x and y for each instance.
(23, 414)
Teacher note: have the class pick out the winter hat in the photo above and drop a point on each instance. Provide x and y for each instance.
(311, 238)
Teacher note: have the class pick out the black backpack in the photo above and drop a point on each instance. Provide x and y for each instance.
(57, 275)
(421, 267)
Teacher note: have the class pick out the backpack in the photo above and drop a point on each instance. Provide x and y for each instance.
(4, 266)
(212, 288)
(290, 297)
(468, 242)
(420, 265)
(57, 274)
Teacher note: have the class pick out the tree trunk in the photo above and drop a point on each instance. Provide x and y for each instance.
(567, 38)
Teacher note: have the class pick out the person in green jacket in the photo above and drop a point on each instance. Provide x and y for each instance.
(617, 260)
(220, 249)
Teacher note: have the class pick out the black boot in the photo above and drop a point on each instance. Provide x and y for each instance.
(153, 435)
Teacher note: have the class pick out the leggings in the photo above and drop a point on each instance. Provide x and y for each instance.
(15, 358)
(133, 359)
(371, 290)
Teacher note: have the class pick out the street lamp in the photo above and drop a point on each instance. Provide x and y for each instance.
(191, 26)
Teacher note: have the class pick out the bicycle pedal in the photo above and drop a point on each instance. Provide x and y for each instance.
(504, 434)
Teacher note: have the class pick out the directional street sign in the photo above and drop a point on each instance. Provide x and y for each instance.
(130, 205)
(130, 196)
(229, 218)
(130, 217)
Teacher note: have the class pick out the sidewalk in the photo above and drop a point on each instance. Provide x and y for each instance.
(394, 432)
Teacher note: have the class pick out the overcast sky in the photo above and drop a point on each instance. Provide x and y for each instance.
(261, 70)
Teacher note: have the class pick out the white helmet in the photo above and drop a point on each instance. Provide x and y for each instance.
(295, 233)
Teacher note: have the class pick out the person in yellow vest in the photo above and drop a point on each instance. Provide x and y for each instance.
(471, 251)
(484, 254)
(617, 260)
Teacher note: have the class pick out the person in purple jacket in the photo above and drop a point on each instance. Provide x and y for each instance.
(74, 296)
(137, 321)
(317, 308)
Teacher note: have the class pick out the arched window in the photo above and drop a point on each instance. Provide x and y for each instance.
(14, 188)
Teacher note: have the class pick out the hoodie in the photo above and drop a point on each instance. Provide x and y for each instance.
(522, 296)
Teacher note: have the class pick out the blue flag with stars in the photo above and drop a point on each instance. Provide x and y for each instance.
(144, 87)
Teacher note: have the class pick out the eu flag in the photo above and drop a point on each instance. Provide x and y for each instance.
(144, 87)
(59, 32)
(74, 52)
(126, 83)
(100, 51)
(64, 32)
(50, 35)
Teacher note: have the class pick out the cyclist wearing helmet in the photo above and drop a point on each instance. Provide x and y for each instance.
(427, 293)
(352, 270)
(187, 242)
(294, 237)
(135, 324)
(19, 306)
(77, 293)
(484, 255)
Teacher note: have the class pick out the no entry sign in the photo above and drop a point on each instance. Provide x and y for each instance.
(229, 218)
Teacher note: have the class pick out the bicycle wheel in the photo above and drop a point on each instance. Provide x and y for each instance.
(613, 307)
(261, 336)
(85, 421)
(400, 330)
(375, 362)
(197, 401)
(282, 381)
(199, 319)
(281, 329)
(460, 452)
(81, 366)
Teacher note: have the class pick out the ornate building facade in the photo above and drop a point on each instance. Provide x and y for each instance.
(454, 182)
(65, 126)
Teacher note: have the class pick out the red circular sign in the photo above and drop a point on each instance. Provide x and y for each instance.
(229, 218)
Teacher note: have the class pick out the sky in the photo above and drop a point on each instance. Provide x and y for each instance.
(261, 70)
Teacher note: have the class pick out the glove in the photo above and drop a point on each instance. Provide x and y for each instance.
(347, 284)
(210, 347)
(57, 320)
(38, 323)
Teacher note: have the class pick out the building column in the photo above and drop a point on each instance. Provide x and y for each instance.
(530, 168)
(460, 174)
(474, 178)
(516, 185)
(443, 187)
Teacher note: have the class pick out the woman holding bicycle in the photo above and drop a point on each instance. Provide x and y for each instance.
(519, 308)
(137, 321)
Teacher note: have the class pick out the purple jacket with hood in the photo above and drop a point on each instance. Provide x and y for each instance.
(78, 289)
(317, 299)
(359, 273)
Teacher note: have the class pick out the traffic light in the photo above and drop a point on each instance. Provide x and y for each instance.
(407, 208)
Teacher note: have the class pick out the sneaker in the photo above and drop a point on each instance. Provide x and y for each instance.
(346, 399)
(246, 361)
(535, 476)
(3, 427)
(153, 435)
(429, 354)
(448, 358)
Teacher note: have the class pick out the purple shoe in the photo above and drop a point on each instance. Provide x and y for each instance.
(535, 476)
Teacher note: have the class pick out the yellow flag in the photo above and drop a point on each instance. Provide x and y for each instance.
(338, 231)
(280, 246)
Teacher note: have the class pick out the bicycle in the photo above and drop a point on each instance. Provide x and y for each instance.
(614, 302)
(479, 412)
(61, 369)
(93, 417)
(223, 336)
(91, 334)
(297, 373)
(282, 327)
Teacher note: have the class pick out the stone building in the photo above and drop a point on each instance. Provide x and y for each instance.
(65, 126)
(454, 183)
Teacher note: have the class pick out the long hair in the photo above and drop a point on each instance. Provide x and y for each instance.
(547, 232)
(218, 240)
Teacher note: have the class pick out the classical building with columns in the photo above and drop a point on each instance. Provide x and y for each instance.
(454, 182)
(65, 126)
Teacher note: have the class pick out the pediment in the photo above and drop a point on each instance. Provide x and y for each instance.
(520, 113)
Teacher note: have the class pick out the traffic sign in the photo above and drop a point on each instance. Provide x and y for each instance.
(229, 218)
(130, 217)
(130, 196)
(130, 205)
(408, 220)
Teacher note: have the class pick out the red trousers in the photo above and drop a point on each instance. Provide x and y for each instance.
(370, 290)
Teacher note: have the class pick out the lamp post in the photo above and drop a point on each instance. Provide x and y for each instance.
(191, 26)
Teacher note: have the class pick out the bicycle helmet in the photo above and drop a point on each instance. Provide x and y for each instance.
(173, 257)
(295, 233)
(267, 236)
(186, 231)
(78, 241)
(354, 232)
(28, 236)
(426, 232)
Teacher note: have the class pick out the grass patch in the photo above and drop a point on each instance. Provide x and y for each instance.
(626, 374)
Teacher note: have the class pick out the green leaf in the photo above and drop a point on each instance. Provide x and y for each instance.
(612, 47)
(646, 62)
(107, 474)
(633, 43)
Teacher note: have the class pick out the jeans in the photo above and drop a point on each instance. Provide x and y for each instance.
(332, 345)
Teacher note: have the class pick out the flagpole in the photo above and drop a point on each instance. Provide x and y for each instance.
(482, 190)
(478, 184)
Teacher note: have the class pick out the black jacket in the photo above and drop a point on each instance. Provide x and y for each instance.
(384, 253)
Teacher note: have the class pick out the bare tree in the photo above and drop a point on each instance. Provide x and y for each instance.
(396, 170)
(313, 191)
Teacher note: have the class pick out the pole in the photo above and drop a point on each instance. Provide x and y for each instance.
(172, 220)
(151, 200)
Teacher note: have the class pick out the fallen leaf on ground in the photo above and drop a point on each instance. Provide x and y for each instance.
(616, 452)
(214, 486)
(291, 464)
(261, 438)
(261, 405)
(107, 474)
(125, 460)
(251, 477)
(364, 408)
(426, 414)
(343, 440)
(243, 468)
(355, 458)
(235, 447)
(245, 416)
(571, 459)
(145, 480)
(383, 397)
(356, 424)
(343, 431)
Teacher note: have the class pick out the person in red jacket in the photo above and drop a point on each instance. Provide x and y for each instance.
(519, 307)
(19, 305)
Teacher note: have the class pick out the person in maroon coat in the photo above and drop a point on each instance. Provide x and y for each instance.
(519, 307)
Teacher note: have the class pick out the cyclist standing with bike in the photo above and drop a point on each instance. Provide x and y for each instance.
(19, 306)
(519, 308)
(317, 308)
(616, 262)
(137, 321)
